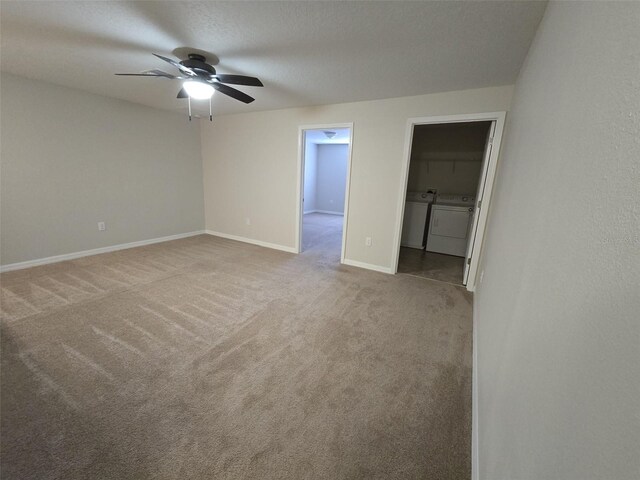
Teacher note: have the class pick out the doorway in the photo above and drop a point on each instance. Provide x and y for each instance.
(324, 167)
(447, 183)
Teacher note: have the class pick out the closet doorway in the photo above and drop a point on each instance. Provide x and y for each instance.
(447, 183)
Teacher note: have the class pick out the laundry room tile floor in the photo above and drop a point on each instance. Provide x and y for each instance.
(436, 266)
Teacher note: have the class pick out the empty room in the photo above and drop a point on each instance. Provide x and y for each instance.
(325, 162)
(320, 240)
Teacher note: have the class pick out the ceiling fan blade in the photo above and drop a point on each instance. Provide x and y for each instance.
(160, 73)
(180, 67)
(148, 74)
(182, 93)
(239, 80)
(232, 92)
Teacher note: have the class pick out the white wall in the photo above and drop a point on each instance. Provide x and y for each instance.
(332, 177)
(557, 314)
(250, 167)
(310, 175)
(71, 159)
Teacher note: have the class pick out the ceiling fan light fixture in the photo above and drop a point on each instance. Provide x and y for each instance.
(198, 90)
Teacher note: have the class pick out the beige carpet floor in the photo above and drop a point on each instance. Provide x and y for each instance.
(436, 266)
(322, 237)
(205, 358)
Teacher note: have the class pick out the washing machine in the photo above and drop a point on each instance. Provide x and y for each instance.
(450, 224)
(416, 213)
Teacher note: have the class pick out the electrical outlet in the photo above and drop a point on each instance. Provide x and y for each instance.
(101, 226)
(367, 241)
(481, 276)
(247, 221)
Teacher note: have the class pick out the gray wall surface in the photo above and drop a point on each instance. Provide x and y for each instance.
(557, 314)
(71, 159)
(331, 178)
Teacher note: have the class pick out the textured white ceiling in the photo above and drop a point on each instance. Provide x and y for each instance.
(306, 53)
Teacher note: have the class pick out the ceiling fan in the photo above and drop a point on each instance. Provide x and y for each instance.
(201, 80)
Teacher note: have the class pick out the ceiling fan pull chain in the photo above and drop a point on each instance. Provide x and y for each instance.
(189, 108)
(210, 114)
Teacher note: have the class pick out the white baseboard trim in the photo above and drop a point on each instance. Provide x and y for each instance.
(330, 212)
(368, 266)
(94, 251)
(260, 243)
(475, 465)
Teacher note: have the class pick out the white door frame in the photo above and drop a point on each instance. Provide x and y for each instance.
(489, 167)
(300, 186)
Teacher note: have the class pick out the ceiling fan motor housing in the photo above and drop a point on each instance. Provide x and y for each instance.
(198, 64)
